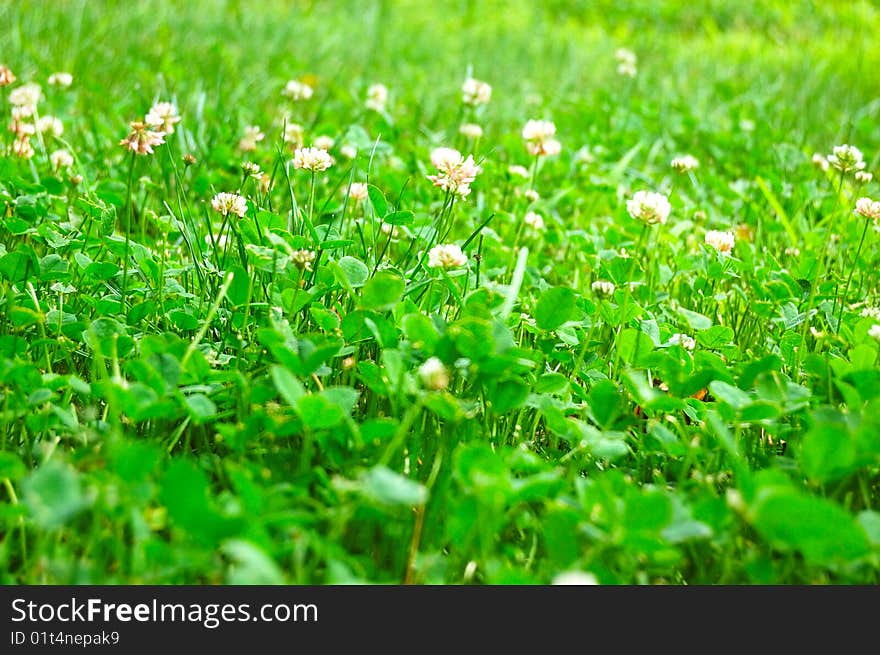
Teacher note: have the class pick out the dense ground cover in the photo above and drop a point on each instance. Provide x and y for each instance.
(624, 332)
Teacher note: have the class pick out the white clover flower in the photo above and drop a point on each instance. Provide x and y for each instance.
(294, 134)
(685, 163)
(626, 62)
(532, 195)
(649, 207)
(456, 173)
(164, 116)
(723, 242)
(433, 374)
(141, 139)
(868, 208)
(627, 70)
(445, 157)
(296, 90)
(584, 155)
(603, 287)
(475, 92)
(534, 220)
(21, 113)
(446, 256)
(60, 79)
(252, 169)
(348, 151)
(252, 135)
(50, 125)
(390, 230)
(324, 142)
(26, 95)
(846, 158)
(871, 312)
(7, 77)
(23, 130)
(61, 159)
(519, 171)
(377, 97)
(575, 578)
(535, 130)
(229, 203)
(22, 148)
(312, 159)
(683, 340)
(820, 162)
(874, 332)
(863, 177)
(547, 148)
(792, 251)
(471, 130)
(538, 136)
(302, 259)
(625, 56)
(359, 191)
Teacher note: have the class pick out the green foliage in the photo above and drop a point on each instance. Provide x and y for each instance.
(382, 291)
(555, 307)
(53, 495)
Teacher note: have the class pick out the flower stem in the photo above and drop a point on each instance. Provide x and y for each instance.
(626, 295)
(821, 263)
(534, 174)
(852, 270)
(312, 199)
(310, 224)
(128, 221)
(806, 326)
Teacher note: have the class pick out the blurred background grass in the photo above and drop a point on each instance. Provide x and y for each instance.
(800, 71)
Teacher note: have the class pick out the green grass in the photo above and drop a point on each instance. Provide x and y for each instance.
(181, 403)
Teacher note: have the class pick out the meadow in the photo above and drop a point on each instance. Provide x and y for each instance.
(457, 293)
